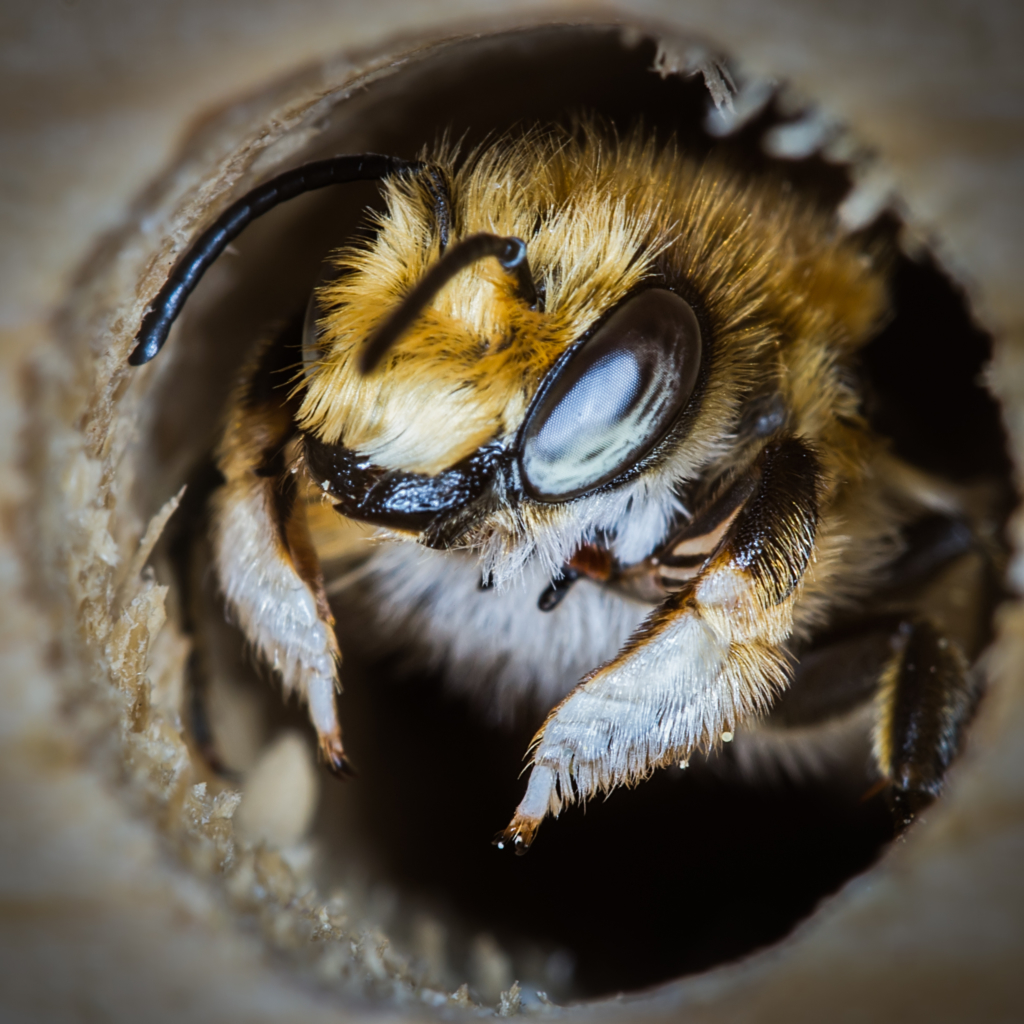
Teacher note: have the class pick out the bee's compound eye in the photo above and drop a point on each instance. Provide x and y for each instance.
(614, 398)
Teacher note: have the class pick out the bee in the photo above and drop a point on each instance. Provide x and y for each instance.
(600, 402)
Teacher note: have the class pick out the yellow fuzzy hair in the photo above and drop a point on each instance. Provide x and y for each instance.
(774, 282)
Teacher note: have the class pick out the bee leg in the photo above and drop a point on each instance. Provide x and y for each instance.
(707, 658)
(263, 552)
(925, 698)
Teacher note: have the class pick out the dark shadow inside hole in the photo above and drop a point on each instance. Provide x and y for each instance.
(692, 868)
(925, 379)
(688, 870)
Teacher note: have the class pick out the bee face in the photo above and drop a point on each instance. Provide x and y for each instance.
(666, 300)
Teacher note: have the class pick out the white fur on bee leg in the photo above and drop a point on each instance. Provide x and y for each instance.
(275, 607)
(707, 659)
(263, 550)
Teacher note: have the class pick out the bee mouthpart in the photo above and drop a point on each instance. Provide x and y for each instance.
(593, 561)
(397, 499)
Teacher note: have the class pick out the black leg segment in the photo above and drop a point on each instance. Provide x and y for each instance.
(925, 699)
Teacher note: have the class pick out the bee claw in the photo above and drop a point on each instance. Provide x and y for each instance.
(334, 757)
(342, 768)
(519, 835)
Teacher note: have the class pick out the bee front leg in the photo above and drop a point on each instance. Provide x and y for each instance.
(706, 659)
(263, 552)
(925, 698)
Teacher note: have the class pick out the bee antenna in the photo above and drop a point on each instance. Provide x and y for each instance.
(168, 303)
(509, 252)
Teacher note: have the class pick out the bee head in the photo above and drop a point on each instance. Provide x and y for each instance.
(489, 400)
(584, 343)
(464, 370)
